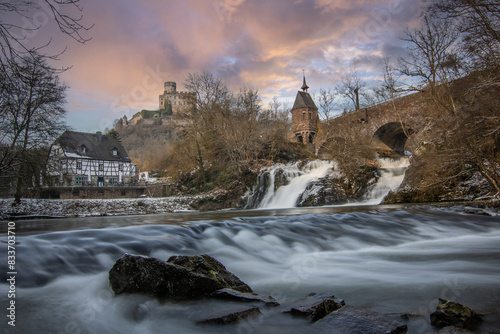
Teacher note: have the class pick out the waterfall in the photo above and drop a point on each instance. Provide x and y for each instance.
(281, 185)
(392, 173)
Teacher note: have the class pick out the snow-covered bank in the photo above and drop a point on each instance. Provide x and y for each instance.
(94, 207)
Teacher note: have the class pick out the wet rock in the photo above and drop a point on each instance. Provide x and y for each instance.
(454, 330)
(454, 314)
(351, 320)
(317, 306)
(160, 279)
(208, 266)
(232, 318)
(230, 294)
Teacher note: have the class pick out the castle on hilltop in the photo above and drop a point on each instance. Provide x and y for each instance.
(170, 102)
(178, 101)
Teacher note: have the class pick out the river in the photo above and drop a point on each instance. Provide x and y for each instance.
(389, 259)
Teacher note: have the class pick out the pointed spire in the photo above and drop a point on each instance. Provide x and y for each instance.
(304, 87)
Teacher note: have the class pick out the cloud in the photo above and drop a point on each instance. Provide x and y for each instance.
(260, 44)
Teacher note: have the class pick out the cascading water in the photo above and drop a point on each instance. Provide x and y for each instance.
(281, 185)
(392, 173)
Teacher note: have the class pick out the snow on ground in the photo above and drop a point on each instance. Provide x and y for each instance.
(93, 207)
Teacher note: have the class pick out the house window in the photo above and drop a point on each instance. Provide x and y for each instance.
(78, 180)
(120, 167)
(114, 151)
(303, 116)
(113, 180)
(101, 167)
(83, 149)
(78, 165)
(310, 116)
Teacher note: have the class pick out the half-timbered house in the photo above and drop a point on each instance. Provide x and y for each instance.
(89, 159)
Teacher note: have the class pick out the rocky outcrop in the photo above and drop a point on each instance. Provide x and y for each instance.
(316, 307)
(203, 277)
(231, 294)
(454, 314)
(353, 320)
(178, 278)
(232, 318)
(326, 191)
(207, 266)
(454, 330)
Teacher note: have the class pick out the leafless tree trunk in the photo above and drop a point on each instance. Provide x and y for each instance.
(31, 115)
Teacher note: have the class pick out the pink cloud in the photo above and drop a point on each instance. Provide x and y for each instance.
(259, 43)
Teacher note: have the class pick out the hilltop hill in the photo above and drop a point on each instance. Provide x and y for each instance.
(147, 136)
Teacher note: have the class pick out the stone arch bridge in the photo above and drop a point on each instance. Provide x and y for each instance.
(391, 125)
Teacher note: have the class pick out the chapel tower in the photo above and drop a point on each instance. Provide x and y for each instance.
(304, 116)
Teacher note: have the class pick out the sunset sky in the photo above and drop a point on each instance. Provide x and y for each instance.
(260, 44)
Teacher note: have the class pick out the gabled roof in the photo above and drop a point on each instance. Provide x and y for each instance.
(303, 100)
(72, 142)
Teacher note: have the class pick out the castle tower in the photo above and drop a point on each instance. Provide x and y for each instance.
(304, 116)
(170, 87)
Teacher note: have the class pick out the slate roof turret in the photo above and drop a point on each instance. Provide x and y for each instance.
(304, 100)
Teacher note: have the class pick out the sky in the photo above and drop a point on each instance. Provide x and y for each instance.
(135, 46)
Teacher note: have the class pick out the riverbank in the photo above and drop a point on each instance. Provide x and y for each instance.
(33, 208)
(55, 208)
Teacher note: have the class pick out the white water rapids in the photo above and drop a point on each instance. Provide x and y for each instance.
(286, 196)
(387, 260)
(294, 179)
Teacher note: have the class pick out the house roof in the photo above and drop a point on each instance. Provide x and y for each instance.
(72, 142)
(303, 100)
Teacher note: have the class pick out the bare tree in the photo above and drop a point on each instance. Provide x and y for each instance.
(432, 63)
(31, 115)
(21, 20)
(349, 87)
(274, 107)
(479, 21)
(327, 101)
(211, 101)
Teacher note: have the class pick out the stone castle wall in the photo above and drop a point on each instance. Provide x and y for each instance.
(179, 101)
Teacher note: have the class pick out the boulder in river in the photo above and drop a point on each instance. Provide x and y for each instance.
(232, 318)
(179, 278)
(208, 266)
(349, 319)
(231, 294)
(316, 306)
(454, 330)
(449, 313)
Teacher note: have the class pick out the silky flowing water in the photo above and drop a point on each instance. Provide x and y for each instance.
(389, 259)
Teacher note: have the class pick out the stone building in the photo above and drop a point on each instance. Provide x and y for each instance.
(304, 117)
(178, 100)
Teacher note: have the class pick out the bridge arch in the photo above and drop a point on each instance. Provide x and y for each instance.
(394, 135)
